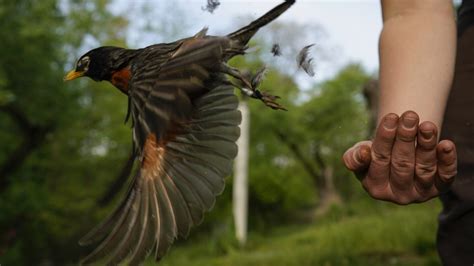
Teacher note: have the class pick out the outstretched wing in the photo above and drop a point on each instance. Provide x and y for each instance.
(185, 128)
(167, 81)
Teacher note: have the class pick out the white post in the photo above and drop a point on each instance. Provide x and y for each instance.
(240, 189)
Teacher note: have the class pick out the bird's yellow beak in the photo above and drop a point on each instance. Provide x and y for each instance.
(73, 75)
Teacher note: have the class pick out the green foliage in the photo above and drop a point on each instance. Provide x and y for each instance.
(327, 122)
(336, 112)
(333, 119)
(46, 204)
(327, 119)
(367, 234)
(277, 183)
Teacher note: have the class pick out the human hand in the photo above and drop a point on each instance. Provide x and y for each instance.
(404, 163)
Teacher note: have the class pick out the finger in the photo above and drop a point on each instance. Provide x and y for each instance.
(403, 155)
(377, 179)
(357, 158)
(447, 165)
(425, 158)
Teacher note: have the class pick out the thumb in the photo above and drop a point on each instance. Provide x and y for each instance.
(358, 157)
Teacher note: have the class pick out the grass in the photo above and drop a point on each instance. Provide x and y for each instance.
(381, 234)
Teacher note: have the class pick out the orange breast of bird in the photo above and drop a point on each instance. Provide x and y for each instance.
(121, 78)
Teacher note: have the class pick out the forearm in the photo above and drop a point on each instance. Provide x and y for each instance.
(417, 53)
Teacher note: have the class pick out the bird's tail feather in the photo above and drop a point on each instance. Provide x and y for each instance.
(244, 34)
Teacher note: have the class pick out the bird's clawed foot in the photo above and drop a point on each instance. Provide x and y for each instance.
(270, 100)
(249, 84)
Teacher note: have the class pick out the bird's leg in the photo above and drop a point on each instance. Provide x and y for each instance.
(270, 101)
(235, 73)
(236, 50)
(249, 87)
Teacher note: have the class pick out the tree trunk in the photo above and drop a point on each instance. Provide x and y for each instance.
(371, 94)
(321, 174)
(33, 137)
(328, 195)
(240, 188)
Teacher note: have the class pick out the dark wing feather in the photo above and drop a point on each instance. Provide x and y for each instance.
(184, 129)
(161, 97)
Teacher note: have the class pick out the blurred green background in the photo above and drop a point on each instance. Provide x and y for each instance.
(63, 147)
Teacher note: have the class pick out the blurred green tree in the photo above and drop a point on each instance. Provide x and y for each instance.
(295, 157)
(332, 120)
(54, 137)
(303, 147)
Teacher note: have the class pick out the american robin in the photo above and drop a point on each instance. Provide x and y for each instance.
(185, 124)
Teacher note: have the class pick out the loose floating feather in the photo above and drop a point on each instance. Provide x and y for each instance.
(258, 77)
(211, 6)
(304, 61)
(276, 50)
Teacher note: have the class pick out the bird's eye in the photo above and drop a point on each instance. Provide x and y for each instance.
(83, 64)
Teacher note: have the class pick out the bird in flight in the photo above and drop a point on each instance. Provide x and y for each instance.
(185, 124)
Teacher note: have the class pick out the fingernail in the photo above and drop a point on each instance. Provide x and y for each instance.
(427, 134)
(364, 153)
(449, 177)
(447, 149)
(409, 121)
(390, 122)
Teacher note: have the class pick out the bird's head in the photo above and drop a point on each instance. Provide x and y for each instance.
(97, 64)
